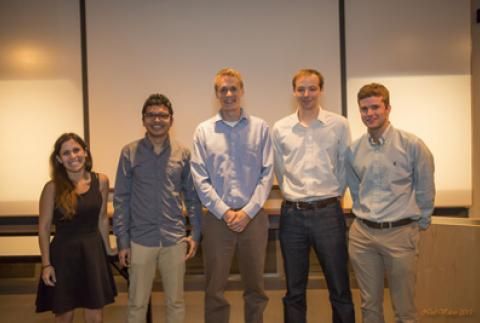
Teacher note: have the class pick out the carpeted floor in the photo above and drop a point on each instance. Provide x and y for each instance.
(19, 308)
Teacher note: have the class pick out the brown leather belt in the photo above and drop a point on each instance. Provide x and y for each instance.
(386, 225)
(302, 205)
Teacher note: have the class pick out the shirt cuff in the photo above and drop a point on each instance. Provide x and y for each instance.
(220, 209)
(196, 235)
(424, 222)
(123, 243)
(251, 209)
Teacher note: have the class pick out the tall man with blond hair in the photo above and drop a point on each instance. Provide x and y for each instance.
(232, 167)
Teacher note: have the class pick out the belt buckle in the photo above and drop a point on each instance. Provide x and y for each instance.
(386, 225)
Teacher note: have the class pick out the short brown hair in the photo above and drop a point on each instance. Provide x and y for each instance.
(228, 71)
(157, 99)
(374, 89)
(308, 72)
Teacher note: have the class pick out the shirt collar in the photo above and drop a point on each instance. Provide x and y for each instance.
(385, 135)
(243, 116)
(149, 144)
(322, 116)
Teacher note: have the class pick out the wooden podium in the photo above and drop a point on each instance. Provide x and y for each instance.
(448, 280)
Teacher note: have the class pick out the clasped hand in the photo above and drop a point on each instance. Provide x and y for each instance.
(236, 220)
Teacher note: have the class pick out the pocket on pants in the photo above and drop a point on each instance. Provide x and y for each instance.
(414, 236)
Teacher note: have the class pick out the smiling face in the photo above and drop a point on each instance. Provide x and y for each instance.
(229, 92)
(374, 113)
(307, 91)
(72, 156)
(157, 120)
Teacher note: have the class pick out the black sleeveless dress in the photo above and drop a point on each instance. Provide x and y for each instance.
(77, 252)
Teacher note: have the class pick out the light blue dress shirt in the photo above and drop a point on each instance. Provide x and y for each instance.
(393, 179)
(232, 167)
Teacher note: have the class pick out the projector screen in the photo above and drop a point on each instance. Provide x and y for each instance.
(40, 94)
(176, 47)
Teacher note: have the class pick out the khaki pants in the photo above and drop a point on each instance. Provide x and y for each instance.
(394, 252)
(144, 262)
(219, 246)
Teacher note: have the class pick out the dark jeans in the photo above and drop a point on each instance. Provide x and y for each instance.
(323, 229)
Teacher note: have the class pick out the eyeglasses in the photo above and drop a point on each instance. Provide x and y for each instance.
(154, 116)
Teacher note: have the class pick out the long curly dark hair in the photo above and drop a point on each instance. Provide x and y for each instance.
(65, 196)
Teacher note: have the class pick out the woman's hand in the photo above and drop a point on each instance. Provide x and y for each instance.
(48, 275)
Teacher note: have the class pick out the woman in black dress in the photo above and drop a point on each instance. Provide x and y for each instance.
(75, 269)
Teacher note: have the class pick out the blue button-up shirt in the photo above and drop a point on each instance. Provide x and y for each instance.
(232, 167)
(149, 190)
(392, 179)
